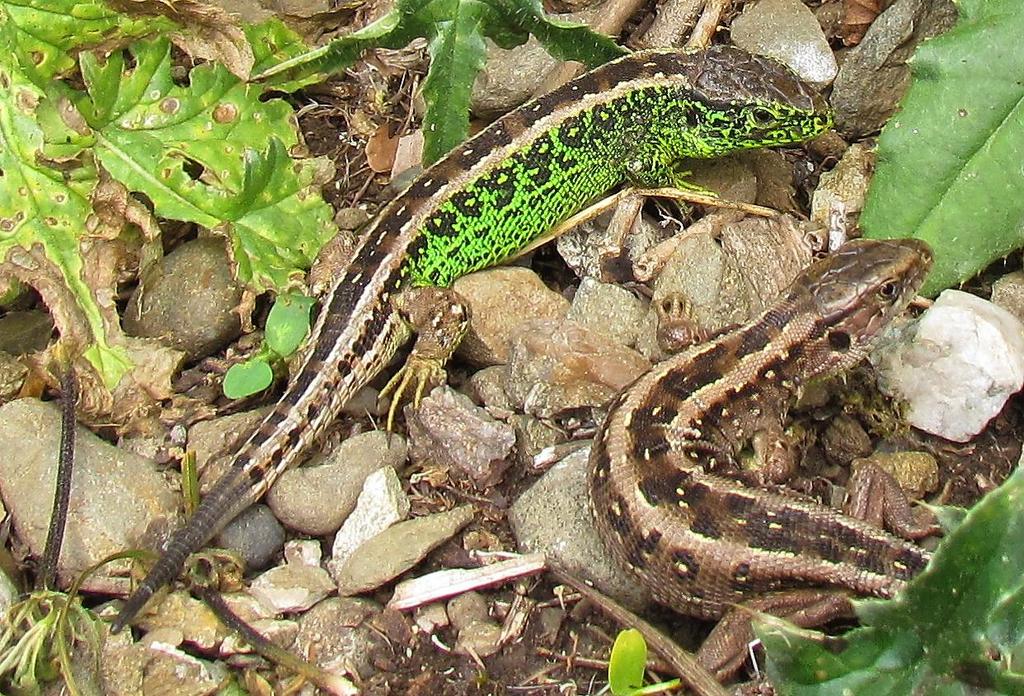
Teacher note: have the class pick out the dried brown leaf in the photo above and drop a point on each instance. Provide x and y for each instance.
(857, 17)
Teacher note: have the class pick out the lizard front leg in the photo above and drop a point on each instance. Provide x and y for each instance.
(439, 317)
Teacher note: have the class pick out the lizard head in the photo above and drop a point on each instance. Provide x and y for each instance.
(854, 293)
(747, 101)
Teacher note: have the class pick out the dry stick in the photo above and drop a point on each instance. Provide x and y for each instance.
(707, 25)
(613, 16)
(62, 493)
(685, 664)
(673, 20)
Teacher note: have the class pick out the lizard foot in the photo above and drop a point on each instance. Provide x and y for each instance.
(418, 371)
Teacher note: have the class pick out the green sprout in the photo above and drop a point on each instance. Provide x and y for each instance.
(287, 327)
(627, 665)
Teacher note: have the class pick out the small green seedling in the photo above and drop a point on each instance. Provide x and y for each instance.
(627, 666)
(287, 327)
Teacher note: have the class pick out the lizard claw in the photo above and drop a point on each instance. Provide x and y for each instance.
(417, 370)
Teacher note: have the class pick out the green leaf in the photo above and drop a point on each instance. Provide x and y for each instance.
(455, 30)
(245, 379)
(273, 43)
(211, 153)
(41, 208)
(939, 635)
(949, 161)
(43, 34)
(457, 54)
(563, 40)
(627, 663)
(288, 323)
(321, 62)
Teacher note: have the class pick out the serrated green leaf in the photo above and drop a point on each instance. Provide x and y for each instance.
(455, 30)
(43, 34)
(211, 153)
(323, 61)
(273, 43)
(564, 40)
(1006, 624)
(41, 208)
(288, 323)
(627, 663)
(949, 162)
(248, 378)
(457, 54)
(937, 636)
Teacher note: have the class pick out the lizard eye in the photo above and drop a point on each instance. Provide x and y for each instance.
(839, 341)
(888, 290)
(762, 117)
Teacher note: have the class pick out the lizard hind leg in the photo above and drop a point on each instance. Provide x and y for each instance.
(439, 317)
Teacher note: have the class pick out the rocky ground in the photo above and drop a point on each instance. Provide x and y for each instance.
(489, 470)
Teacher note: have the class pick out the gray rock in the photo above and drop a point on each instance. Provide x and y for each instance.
(874, 75)
(188, 300)
(214, 441)
(557, 366)
(381, 503)
(448, 430)
(533, 436)
(12, 376)
(500, 299)
(255, 535)
(190, 618)
(398, 548)
(509, 77)
(8, 592)
(118, 500)
(431, 617)
(1008, 293)
(333, 635)
(479, 634)
(315, 500)
(189, 675)
(25, 332)
(295, 586)
(610, 309)
(281, 632)
(844, 189)
(553, 517)
(487, 387)
(153, 665)
(788, 32)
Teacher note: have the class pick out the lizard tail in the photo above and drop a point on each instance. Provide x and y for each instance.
(213, 512)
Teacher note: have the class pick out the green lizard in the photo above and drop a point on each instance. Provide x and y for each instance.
(628, 121)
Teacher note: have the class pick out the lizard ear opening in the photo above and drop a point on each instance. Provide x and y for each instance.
(839, 341)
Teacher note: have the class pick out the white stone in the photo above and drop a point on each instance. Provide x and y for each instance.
(965, 360)
(381, 504)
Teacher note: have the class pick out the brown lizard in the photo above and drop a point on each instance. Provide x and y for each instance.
(669, 497)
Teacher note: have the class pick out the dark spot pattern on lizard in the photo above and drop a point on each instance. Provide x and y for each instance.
(706, 526)
(685, 564)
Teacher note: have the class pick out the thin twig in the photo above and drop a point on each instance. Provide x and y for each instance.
(684, 663)
(707, 25)
(62, 494)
